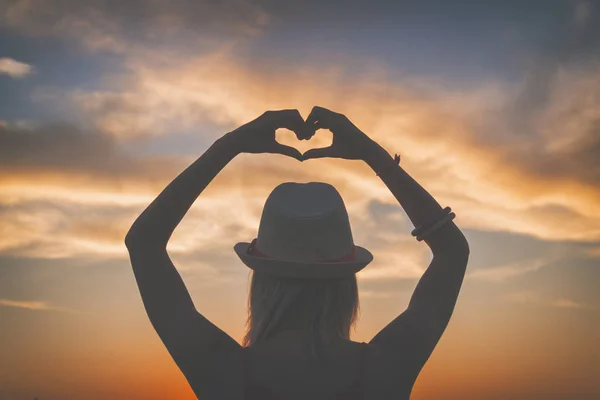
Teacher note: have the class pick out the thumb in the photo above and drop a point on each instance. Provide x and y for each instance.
(287, 151)
(318, 153)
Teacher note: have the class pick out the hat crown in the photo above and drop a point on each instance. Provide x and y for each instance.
(304, 222)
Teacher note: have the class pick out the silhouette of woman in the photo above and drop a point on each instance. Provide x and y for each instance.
(303, 298)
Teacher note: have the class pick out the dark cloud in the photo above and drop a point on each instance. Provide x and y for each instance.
(464, 12)
(549, 125)
(66, 151)
(564, 140)
(71, 157)
(567, 39)
(491, 249)
(58, 145)
(578, 161)
(390, 217)
(117, 25)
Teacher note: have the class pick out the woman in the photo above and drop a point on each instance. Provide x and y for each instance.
(303, 299)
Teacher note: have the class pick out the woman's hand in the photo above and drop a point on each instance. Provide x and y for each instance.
(348, 141)
(258, 136)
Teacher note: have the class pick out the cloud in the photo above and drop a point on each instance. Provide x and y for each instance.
(61, 161)
(567, 141)
(48, 152)
(466, 148)
(134, 26)
(35, 305)
(503, 257)
(582, 13)
(61, 230)
(525, 296)
(69, 192)
(73, 193)
(594, 251)
(539, 185)
(442, 146)
(502, 273)
(14, 68)
(530, 297)
(58, 145)
(566, 303)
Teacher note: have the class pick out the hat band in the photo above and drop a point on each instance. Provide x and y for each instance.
(253, 251)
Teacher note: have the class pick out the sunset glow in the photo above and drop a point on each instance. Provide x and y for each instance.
(494, 109)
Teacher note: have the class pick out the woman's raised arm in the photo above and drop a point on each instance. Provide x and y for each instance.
(161, 287)
(411, 337)
(190, 338)
(439, 286)
(194, 342)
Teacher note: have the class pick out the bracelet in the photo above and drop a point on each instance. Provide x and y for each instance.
(436, 226)
(418, 230)
(396, 162)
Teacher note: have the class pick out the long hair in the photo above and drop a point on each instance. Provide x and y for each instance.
(325, 307)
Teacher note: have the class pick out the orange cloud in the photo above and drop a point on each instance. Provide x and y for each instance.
(509, 271)
(531, 297)
(34, 305)
(566, 303)
(493, 182)
(14, 68)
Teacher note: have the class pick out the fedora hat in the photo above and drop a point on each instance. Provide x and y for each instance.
(304, 232)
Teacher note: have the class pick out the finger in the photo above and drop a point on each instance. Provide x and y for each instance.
(288, 151)
(322, 152)
(290, 119)
(312, 129)
(321, 115)
(315, 115)
(319, 125)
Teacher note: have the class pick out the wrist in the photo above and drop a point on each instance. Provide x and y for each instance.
(377, 157)
(229, 144)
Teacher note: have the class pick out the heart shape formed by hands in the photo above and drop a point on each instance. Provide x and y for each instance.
(258, 136)
(320, 139)
(347, 141)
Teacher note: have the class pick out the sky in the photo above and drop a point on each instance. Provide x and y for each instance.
(494, 107)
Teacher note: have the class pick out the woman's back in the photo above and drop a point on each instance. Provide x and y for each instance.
(282, 369)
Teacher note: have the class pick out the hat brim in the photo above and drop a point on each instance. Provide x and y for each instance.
(300, 269)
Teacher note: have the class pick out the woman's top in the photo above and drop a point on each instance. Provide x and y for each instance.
(352, 392)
